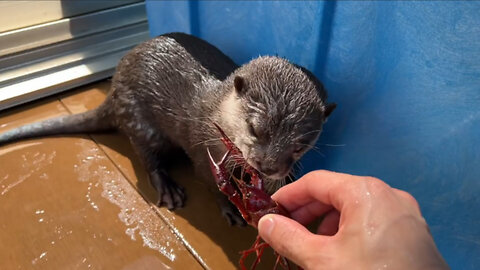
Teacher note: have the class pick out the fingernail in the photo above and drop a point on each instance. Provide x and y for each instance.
(266, 224)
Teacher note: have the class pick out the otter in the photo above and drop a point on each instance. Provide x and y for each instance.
(166, 94)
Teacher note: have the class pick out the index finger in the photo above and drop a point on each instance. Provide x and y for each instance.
(324, 188)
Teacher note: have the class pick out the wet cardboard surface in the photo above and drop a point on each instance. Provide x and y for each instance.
(200, 225)
(65, 205)
(84, 202)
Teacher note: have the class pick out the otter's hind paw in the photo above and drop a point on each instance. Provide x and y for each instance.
(230, 213)
(233, 218)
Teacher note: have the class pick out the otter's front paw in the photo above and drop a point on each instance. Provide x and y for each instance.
(169, 193)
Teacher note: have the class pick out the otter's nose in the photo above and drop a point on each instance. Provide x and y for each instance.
(268, 170)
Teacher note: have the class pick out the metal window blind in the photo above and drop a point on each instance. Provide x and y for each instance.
(56, 45)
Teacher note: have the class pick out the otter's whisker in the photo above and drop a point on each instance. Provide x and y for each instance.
(333, 145)
(318, 151)
(208, 142)
(309, 145)
(299, 165)
(305, 134)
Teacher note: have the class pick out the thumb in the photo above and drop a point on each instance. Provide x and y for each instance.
(290, 239)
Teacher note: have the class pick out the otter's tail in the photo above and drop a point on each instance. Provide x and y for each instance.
(90, 121)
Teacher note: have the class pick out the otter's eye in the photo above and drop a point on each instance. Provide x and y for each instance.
(252, 130)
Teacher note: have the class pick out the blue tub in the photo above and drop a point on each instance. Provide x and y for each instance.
(406, 77)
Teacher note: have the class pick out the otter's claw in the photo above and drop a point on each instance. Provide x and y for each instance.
(232, 215)
(169, 193)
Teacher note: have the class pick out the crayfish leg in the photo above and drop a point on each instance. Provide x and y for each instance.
(257, 247)
(282, 261)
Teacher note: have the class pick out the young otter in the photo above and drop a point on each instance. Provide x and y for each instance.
(168, 92)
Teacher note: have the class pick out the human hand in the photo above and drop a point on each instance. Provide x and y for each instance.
(366, 225)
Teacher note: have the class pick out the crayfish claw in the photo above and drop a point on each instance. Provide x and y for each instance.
(210, 158)
(221, 162)
(218, 168)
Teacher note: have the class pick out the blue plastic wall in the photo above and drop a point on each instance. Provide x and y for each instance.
(406, 77)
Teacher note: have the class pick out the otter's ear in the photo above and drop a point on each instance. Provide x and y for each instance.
(329, 109)
(240, 85)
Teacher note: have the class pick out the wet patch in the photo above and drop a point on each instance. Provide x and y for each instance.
(141, 223)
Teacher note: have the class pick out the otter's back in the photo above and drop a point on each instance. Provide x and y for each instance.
(214, 60)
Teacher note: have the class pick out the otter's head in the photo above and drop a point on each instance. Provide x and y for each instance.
(282, 108)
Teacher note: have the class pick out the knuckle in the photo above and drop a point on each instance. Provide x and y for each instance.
(314, 176)
(318, 173)
(372, 180)
(409, 198)
(376, 186)
(375, 183)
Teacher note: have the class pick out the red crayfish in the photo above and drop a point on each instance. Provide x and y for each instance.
(250, 198)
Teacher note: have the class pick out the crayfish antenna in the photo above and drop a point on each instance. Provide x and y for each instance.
(226, 140)
(220, 130)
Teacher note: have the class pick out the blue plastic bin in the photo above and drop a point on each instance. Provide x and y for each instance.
(406, 77)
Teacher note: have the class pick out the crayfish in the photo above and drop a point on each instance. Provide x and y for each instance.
(250, 198)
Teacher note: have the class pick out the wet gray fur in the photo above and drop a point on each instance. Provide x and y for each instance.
(167, 92)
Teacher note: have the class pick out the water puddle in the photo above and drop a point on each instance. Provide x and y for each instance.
(141, 222)
(56, 200)
(36, 162)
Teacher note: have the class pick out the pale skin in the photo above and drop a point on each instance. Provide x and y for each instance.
(367, 225)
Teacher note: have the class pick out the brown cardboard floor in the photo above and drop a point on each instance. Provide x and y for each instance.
(84, 202)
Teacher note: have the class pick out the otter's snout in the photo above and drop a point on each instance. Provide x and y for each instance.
(273, 169)
(266, 169)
